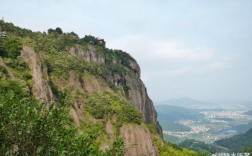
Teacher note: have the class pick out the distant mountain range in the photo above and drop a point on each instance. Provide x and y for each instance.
(173, 113)
(198, 104)
(188, 103)
(168, 115)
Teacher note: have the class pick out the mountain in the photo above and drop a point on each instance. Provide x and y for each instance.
(242, 128)
(188, 103)
(174, 113)
(247, 104)
(65, 95)
(168, 115)
(238, 142)
(248, 112)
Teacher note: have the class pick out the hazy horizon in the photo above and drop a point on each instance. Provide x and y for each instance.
(189, 48)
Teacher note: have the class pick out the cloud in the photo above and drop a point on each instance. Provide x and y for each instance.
(171, 58)
(215, 66)
(162, 49)
(178, 51)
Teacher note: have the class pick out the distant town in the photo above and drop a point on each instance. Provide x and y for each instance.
(212, 126)
(225, 114)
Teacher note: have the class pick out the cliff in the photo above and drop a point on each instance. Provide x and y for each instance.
(100, 88)
(137, 93)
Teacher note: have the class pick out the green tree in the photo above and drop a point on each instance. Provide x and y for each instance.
(30, 128)
(10, 47)
(58, 30)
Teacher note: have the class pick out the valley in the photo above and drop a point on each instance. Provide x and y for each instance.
(210, 129)
(206, 125)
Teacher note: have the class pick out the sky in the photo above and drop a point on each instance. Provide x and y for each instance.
(188, 48)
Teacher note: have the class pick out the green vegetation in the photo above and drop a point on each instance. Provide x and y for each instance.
(174, 150)
(166, 148)
(238, 142)
(171, 139)
(10, 47)
(201, 147)
(242, 128)
(60, 65)
(106, 105)
(30, 128)
(57, 30)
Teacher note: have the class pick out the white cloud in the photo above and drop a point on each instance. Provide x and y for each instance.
(175, 57)
(162, 49)
(215, 66)
(178, 51)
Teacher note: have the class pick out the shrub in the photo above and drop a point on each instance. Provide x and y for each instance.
(10, 47)
(30, 128)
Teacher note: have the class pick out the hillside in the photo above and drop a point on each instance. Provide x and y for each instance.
(201, 147)
(174, 113)
(65, 95)
(238, 142)
(168, 115)
(242, 128)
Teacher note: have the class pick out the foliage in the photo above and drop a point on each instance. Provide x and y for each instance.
(117, 148)
(60, 64)
(106, 104)
(173, 150)
(17, 31)
(10, 47)
(120, 57)
(3, 72)
(89, 39)
(201, 147)
(57, 30)
(31, 128)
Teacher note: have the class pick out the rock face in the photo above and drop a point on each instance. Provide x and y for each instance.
(137, 138)
(40, 87)
(137, 93)
(91, 54)
(137, 141)
(138, 96)
(88, 83)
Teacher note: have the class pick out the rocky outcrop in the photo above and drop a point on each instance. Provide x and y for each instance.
(40, 87)
(91, 54)
(138, 96)
(88, 83)
(109, 129)
(137, 140)
(136, 93)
